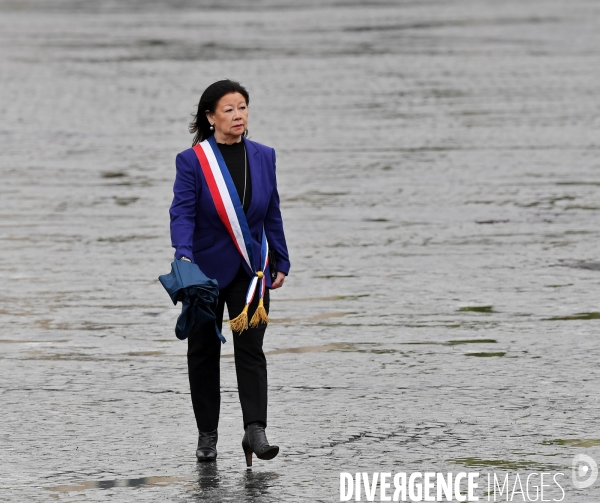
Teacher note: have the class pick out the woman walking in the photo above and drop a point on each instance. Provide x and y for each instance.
(225, 217)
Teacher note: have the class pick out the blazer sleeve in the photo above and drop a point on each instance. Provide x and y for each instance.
(274, 228)
(183, 208)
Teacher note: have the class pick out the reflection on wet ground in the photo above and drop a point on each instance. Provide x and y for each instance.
(303, 349)
(477, 309)
(578, 316)
(39, 354)
(574, 442)
(109, 484)
(506, 465)
(437, 166)
(486, 355)
(206, 486)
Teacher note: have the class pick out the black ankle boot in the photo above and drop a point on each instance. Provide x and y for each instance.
(255, 440)
(207, 446)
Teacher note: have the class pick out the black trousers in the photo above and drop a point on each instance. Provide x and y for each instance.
(204, 358)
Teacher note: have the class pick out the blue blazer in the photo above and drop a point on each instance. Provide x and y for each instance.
(197, 231)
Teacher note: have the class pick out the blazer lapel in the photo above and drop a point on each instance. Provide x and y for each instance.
(255, 171)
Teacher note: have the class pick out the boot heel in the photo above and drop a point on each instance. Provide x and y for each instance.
(248, 453)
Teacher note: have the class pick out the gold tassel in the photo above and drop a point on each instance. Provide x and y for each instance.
(259, 315)
(240, 322)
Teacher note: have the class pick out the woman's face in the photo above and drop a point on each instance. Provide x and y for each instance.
(230, 119)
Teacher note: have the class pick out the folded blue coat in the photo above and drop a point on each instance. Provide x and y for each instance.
(198, 294)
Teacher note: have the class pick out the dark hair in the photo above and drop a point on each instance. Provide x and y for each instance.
(208, 101)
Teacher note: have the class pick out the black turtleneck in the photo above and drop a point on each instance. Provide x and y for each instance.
(236, 161)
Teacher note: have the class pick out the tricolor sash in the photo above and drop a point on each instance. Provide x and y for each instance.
(230, 211)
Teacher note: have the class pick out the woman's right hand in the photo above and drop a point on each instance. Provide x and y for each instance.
(278, 281)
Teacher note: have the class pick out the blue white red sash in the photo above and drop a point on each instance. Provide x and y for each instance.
(231, 212)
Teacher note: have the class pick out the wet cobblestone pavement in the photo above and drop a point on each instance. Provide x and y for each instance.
(438, 167)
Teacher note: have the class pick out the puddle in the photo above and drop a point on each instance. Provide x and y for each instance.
(491, 221)
(113, 174)
(108, 484)
(502, 464)
(453, 342)
(326, 316)
(315, 196)
(330, 276)
(305, 349)
(132, 355)
(470, 341)
(427, 25)
(433, 324)
(39, 355)
(423, 343)
(90, 357)
(486, 355)
(340, 346)
(125, 201)
(582, 207)
(311, 349)
(317, 317)
(25, 341)
(331, 297)
(477, 309)
(590, 183)
(125, 239)
(595, 315)
(574, 442)
(582, 264)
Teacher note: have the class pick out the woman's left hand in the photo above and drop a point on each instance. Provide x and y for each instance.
(278, 281)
